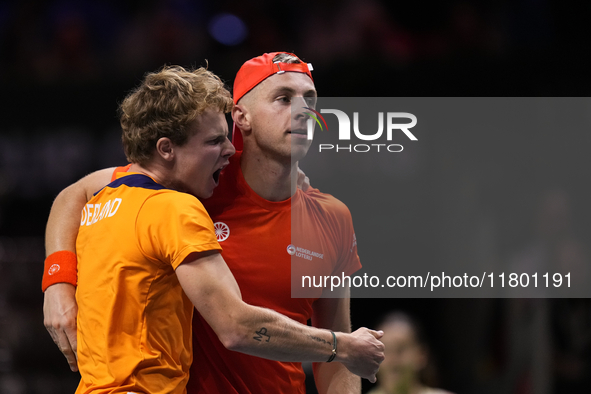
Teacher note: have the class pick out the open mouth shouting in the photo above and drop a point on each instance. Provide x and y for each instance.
(216, 174)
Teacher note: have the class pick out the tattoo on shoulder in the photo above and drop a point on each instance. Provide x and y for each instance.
(317, 339)
(262, 333)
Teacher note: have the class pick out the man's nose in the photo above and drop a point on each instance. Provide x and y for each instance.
(229, 149)
(298, 109)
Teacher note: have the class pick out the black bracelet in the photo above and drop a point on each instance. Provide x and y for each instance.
(334, 347)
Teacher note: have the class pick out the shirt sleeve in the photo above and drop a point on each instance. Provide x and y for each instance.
(171, 225)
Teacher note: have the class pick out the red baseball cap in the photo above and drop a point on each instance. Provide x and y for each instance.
(255, 71)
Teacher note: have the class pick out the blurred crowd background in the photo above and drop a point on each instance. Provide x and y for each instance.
(65, 65)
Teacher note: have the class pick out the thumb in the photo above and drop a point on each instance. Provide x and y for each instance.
(306, 184)
(377, 334)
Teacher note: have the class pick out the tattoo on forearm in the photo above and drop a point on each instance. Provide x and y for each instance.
(317, 339)
(260, 334)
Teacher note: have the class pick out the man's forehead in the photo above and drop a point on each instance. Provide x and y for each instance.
(298, 82)
(210, 122)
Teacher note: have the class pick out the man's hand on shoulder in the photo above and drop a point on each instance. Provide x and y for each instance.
(303, 181)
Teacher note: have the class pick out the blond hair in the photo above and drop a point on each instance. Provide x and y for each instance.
(164, 105)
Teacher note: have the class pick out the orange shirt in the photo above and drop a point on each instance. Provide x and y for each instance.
(261, 242)
(256, 235)
(134, 320)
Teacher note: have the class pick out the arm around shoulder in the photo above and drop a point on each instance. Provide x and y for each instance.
(65, 214)
(59, 303)
(261, 332)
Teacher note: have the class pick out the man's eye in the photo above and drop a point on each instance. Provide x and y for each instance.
(310, 101)
(285, 99)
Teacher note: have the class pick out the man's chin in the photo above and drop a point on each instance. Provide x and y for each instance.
(298, 152)
(205, 194)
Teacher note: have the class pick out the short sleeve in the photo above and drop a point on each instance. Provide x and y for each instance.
(171, 225)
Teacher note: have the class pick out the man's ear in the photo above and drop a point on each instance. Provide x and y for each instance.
(165, 148)
(241, 118)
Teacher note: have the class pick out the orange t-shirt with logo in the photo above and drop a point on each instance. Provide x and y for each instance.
(134, 320)
(261, 240)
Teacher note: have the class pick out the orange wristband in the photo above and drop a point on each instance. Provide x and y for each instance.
(60, 267)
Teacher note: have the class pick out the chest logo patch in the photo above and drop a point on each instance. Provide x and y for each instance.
(222, 231)
(303, 253)
(291, 249)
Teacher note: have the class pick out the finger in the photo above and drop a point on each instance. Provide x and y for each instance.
(52, 333)
(377, 334)
(66, 349)
(372, 379)
(306, 184)
(301, 176)
(72, 339)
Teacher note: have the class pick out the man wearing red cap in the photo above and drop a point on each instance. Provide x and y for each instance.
(264, 217)
(255, 209)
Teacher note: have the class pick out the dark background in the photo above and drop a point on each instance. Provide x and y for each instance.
(65, 66)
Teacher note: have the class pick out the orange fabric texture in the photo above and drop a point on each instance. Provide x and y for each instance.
(134, 320)
(256, 235)
(60, 267)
